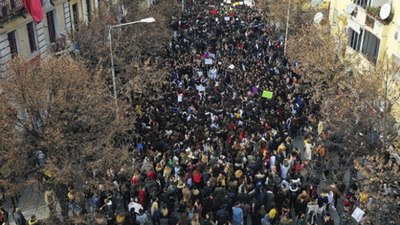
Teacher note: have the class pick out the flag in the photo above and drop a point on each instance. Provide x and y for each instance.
(34, 8)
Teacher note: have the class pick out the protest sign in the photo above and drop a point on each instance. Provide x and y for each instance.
(358, 214)
(267, 94)
(180, 97)
(201, 88)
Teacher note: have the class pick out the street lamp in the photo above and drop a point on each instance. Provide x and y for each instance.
(287, 28)
(146, 20)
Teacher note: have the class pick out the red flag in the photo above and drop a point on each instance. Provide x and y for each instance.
(34, 7)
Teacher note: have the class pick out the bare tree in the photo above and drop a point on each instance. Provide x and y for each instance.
(53, 111)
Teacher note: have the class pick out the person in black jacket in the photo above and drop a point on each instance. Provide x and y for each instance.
(328, 220)
(223, 215)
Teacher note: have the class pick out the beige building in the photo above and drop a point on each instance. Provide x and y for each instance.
(20, 35)
(371, 31)
(372, 28)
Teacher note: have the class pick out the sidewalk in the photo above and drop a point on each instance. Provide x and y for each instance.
(31, 202)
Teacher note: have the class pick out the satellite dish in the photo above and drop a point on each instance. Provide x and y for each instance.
(385, 11)
(318, 17)
(350, 8)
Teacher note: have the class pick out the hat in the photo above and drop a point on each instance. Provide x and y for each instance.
(120, 218)
(181, 184)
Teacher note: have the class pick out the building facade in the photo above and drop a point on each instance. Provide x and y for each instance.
(371, 31)
(20, 35)
(372, 28)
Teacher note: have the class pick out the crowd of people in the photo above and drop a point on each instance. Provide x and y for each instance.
(217, 147)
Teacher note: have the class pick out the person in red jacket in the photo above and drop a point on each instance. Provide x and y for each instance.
(197, 177)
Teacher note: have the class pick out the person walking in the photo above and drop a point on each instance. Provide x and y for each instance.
(237, 214)
(50, 199)
(19, 218)
(141, 218)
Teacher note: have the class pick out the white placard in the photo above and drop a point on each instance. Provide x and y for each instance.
(358, 214)
(201, 88)
(227, 18)
(180, 97)
(208, 61)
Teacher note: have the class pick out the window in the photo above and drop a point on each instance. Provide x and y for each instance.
(370, 47)
(32, 36)
(75, 15)
(89, 10)
(363, 3)
(12, 41)
(355, 39)
(51, 26)
(12, 4)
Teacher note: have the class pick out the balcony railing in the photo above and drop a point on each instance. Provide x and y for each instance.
(10, 8)
(370, 21)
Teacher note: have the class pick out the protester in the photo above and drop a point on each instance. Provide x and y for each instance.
(19, 218)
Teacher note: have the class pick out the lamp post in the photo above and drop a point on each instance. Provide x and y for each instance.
(146, 20)
(287, 28)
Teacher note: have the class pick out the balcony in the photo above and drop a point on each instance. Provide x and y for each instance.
(374, 13)
(370, 21)
(10, 9)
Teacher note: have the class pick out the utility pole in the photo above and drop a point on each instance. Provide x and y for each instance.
(287, 28)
